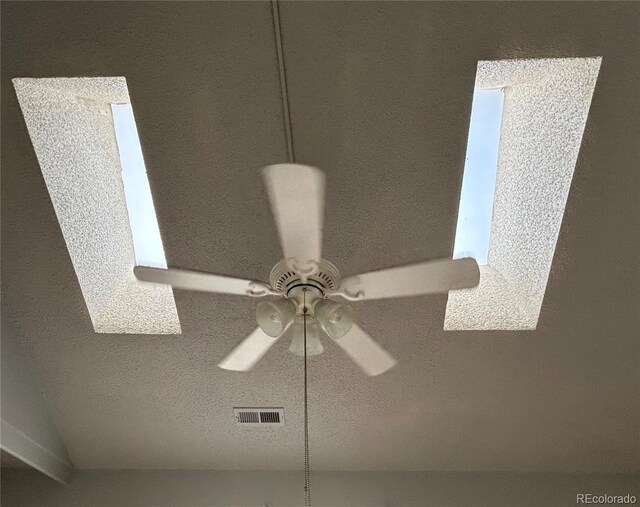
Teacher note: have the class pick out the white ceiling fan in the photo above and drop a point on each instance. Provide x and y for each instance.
(305, 284)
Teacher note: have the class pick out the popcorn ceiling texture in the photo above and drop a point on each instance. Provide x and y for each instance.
(71, 127)
(545, 112)
(380, 96)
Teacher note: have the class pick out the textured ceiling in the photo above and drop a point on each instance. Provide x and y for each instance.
(380, 97)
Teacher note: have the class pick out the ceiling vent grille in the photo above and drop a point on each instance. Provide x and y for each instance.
(259, 416)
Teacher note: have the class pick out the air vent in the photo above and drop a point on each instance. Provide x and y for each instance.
(259, 416)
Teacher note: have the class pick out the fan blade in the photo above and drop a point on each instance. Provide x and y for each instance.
(194, 280)
(296, 193)
(431, 277)
(249, 351)
(365, 352)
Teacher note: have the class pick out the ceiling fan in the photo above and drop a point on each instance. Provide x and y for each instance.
(304, 285)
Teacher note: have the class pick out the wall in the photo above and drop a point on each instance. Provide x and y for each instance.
(27, 429)
(254, 488)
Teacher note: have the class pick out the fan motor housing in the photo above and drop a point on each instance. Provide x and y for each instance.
(326, 278)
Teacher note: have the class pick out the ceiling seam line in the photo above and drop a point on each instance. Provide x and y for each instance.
(275, 11)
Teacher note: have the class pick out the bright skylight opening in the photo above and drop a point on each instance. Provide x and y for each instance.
(473, 231)
(147, 243)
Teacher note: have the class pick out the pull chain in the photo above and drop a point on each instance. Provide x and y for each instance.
(307, 482)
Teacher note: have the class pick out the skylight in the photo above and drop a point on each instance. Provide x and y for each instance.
(142, 216)
(533, 113)
(92, 164)
(478, 184)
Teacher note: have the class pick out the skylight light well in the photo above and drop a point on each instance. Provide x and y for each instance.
(510, 219)
(99, 190)
(479, 180)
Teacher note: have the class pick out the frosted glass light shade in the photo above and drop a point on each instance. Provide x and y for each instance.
(274, 316)
(314, 345)
(334, 317)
